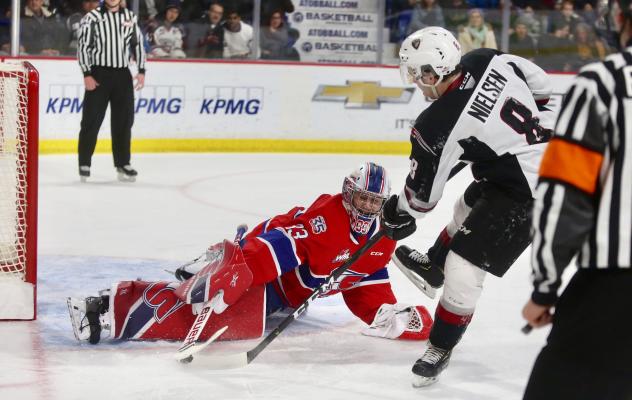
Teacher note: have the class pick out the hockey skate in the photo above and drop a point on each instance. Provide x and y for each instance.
(418, 268)
(427, 369)
(89, 317)
(84, 173)
(126, 173)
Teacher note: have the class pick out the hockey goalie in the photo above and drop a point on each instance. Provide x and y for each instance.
(275, 266)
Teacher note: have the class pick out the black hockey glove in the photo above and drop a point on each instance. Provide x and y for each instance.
(182, 275)
(395, 223)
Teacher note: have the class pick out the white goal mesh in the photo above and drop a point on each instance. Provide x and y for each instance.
(18, 187)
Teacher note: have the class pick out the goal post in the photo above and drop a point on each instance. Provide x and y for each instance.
(19, 107)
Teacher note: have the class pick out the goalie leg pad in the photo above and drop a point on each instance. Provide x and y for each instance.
(228, 272)
(147, 310)
(151, 311)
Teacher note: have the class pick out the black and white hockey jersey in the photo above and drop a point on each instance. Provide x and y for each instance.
(493, 117)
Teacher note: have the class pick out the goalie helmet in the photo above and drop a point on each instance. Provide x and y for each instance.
(430, 50)
(364, 192)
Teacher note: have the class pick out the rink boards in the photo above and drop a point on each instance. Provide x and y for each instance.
(247, 106)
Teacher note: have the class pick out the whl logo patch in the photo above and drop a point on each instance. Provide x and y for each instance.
(344, 256)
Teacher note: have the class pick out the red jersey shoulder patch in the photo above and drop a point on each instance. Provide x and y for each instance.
(318, 225)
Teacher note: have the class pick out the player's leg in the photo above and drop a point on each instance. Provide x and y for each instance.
(139, 310)
(425, 270)
(122, 119)
(95, 104)
(463, 287)
(494, 234)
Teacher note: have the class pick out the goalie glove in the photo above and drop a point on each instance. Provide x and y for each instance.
(400, 321)
(213, 253)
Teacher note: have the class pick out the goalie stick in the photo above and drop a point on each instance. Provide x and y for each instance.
(191, 346)
(196, 259)
(242, 359)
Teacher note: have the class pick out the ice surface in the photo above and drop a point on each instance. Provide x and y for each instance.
(91, 235)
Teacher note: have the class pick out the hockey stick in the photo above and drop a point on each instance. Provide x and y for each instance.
(245, 358)
(185, 264)
(190, 346)
(456, 169)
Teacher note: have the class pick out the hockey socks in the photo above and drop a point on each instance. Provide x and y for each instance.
(439, 250)
(448, 328)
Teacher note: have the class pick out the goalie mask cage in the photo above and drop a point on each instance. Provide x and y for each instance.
(19, 85)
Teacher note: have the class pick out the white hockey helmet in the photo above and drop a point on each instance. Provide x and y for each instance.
(364, 192)
(430, 50)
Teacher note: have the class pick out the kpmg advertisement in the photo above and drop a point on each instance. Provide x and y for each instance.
(219, 100)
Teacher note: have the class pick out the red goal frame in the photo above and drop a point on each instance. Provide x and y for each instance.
(32, 153)
(28, 81)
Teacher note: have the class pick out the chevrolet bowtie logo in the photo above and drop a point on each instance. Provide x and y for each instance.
(363, 94)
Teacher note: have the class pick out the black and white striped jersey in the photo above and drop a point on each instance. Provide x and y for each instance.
(583, 203)
(493, 118)
(107, 38)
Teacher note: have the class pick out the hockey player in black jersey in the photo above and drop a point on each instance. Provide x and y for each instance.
(488, 112)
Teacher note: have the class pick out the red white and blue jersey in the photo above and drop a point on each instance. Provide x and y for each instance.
(298, 250)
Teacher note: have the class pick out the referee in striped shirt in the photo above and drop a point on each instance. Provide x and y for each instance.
(108, 35)
(583, 208)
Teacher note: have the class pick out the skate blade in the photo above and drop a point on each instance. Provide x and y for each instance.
(75, 318)
(125, 178)
(422, 381)
(83, 179)
(416, 279)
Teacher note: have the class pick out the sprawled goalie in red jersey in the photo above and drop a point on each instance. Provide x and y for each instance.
(275, 266)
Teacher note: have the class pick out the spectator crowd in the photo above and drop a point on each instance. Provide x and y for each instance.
(558, 35)
(171, 28)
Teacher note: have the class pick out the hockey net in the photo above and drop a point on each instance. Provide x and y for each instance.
(19, 86)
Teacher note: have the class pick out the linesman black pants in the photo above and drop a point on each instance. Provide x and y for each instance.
(116, 88)
(588, 355)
